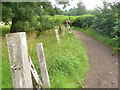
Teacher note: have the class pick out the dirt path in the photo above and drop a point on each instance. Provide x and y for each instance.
(103, 72)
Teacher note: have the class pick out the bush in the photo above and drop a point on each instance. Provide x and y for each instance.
(83, 21)
(67, 63)
(41, 23)
(60, 19)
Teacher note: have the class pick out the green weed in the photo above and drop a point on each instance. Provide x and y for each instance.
(5, 30)
(107, 40)
(67, 63)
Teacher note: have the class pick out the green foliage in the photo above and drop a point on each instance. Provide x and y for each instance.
(33, 15)
(79, 10)
(67, 63)
(5, 30)
(51, 21)
(107, 40)
(21, 12)
(58, 11)
(45, 22)
(60, 19)
(48, 8)
(6, 72)
(104, 21)
(107, 19)
(83, 21)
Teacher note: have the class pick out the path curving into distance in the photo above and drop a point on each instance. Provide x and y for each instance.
(103, 70)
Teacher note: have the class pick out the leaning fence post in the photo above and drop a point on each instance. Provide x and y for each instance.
(35, 77)
(18, 55)
(57, 35)
(43, 67)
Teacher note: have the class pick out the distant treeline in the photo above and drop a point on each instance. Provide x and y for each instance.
(42, 16)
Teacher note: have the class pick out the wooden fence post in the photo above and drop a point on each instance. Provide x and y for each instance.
(63, 31)
(43, 67)
(57, 36)
(35, 77)
(18, 55)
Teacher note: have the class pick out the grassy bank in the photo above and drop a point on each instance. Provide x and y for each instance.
(67, 63)
(107, 40)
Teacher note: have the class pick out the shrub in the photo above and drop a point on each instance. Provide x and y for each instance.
(83, 21)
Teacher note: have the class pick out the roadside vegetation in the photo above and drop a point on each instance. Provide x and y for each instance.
(67, 63)
(105, 39)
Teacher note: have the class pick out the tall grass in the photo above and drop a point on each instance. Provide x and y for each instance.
(5, 30)
(67, 63)
(6, 72)
(107, 40)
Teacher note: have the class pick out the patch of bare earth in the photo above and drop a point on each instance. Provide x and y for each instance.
(103, 70)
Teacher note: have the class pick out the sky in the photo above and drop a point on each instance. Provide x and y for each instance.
(89, 4)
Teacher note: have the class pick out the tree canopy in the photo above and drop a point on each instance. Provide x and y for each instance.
(21, 12)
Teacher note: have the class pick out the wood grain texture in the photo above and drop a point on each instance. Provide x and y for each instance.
(18, 56)
(43, 67)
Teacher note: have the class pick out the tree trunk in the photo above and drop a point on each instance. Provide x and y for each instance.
(14, 27)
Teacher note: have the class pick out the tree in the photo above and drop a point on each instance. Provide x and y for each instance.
(21, 12)
(106, 19)
(58, 11)
(79, 10)
(17, 12)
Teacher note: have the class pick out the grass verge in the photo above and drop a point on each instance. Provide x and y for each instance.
(67, 63)
(107, 40)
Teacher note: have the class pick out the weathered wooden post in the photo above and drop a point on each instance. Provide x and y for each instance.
(57, 36)
(35, 77)
(18, 55)
(63, 30)
(60, 29)
(43, 67)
